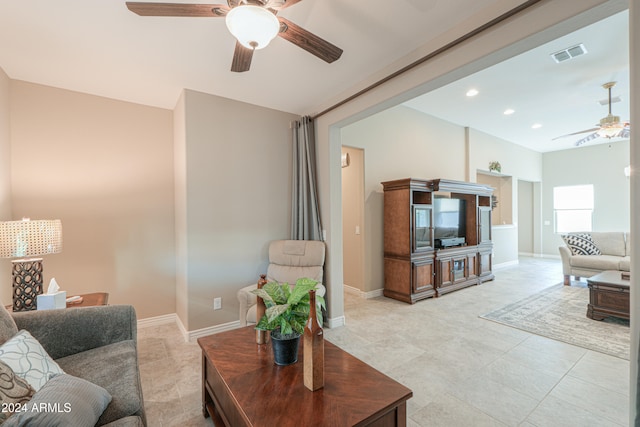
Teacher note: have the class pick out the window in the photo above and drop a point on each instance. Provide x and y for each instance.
(573, 208)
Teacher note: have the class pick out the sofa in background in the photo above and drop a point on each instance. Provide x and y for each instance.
(580, 258)
(97, 344)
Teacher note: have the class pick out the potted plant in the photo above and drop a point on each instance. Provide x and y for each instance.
(287, 311)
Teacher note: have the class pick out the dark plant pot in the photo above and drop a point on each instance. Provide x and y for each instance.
(285, 348)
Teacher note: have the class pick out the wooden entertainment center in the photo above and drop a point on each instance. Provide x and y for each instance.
(437, 237)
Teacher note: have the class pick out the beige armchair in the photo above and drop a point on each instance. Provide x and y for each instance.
(289, 260)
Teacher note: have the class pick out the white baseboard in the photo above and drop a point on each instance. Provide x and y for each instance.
(373, 294)
(194, 335)
(505, 264)
(538, 255)
(335, 322)
(366, 295)
(157, 320)
(351, 290)
(187, 335)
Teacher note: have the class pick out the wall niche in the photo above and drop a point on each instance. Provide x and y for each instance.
(502, 213)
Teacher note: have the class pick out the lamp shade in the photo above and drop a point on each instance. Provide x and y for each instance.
(253, 26)
(28, 238)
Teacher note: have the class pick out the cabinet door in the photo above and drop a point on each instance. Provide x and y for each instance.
(485, 262)
(422, 230)
(472, 266)
(459, 269)
(445, 272)
(484, 224)
(422, 275)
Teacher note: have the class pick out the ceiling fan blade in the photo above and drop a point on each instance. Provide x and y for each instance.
(576, 133)
(308, 41)
(288, 3)
(241, 58)
(178, 9)
(587, 139)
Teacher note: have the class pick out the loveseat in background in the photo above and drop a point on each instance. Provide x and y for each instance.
(615, 250)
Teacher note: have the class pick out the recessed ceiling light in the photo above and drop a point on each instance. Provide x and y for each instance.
(472, 92)
(536, 126)
(509, 111)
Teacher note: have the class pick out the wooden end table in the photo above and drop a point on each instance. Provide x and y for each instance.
(242, 386)
(92, 299)
(608, 295)
(88, 300)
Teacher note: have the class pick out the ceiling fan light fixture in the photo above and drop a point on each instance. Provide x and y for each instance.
(253, 26)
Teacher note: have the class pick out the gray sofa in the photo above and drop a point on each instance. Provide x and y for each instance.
(615, 249)
(98, 344)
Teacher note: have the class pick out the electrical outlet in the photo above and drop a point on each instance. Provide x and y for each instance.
(217, 303)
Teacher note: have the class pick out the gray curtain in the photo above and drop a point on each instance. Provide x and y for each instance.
(305, 211)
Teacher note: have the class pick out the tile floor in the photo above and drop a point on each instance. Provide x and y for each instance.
(463, 370)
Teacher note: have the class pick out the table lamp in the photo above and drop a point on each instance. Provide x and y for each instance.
(26, 239)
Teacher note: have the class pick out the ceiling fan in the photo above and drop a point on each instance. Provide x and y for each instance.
(609, 127)
(254, 23)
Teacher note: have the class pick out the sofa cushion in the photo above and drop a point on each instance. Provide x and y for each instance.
(113, 367)
(602, 262)
(625, 264)
(610, 242)
(28, 359)
(580, 244)
(8, 326)
(63, 401)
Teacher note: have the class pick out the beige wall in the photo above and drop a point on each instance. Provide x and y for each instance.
(5, 179)
(105, 168)
(353, 237)
(601, 165)
(528, 29)
(400, 143)
(238, 198)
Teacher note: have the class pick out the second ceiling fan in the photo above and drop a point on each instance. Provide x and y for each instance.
(254, 23)
(609, 127)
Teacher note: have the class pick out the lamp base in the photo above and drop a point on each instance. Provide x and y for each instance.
(27, 283)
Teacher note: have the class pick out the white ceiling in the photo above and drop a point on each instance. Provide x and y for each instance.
(101, 48)
(562, 97)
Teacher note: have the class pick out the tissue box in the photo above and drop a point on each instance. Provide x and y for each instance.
(51, 301)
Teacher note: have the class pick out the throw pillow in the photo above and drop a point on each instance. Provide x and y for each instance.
(581, 244)
(28, 359)
(14, 392)
(63, 401)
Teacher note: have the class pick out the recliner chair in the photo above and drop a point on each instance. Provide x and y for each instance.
(289, 260)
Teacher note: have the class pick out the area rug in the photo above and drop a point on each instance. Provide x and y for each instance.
(559, 313)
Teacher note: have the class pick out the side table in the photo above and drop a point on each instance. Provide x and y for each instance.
(88, 300)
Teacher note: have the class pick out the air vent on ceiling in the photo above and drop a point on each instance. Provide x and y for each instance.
(569, 53)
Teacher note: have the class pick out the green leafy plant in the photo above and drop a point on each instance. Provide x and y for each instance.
(288, 308)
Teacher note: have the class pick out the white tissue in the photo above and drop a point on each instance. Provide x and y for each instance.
(53, 287)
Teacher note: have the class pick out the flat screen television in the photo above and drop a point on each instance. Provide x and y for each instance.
(448, 222)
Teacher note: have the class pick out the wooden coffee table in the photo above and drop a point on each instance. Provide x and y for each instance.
(241, 386)
(608, 295)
